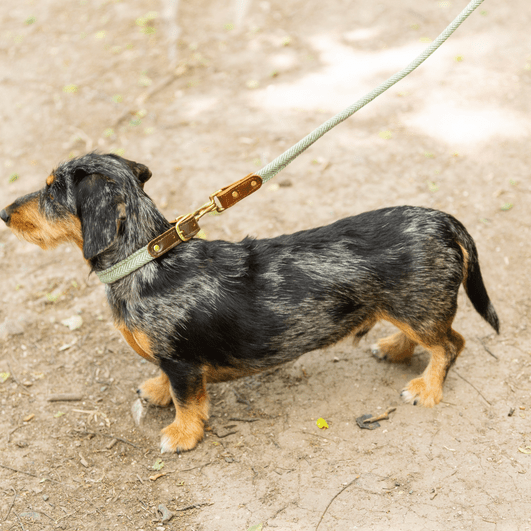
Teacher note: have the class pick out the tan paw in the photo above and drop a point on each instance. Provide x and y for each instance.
(417, 391)
(179, 437)
(396, 348)
(156, 390)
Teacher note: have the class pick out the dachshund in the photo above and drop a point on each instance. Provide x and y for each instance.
(211, 311)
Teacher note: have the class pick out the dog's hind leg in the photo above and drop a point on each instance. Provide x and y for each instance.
(188, 392)
(444, 349)
(396, 348)
(156, 390)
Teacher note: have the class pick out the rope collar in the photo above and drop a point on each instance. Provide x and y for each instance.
(186, 227)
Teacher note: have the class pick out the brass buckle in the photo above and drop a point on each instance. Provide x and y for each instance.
(178, 228)
(198, 214)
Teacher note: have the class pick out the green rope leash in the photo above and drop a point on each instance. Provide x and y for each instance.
(269, 171)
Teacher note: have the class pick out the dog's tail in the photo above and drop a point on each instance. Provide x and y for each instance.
(473, 281)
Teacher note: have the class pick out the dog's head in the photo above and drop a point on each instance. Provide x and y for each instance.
(83, 201)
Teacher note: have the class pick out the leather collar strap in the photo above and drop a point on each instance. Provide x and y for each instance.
(186, 227)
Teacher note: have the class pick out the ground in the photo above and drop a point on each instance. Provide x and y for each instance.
(243, 81)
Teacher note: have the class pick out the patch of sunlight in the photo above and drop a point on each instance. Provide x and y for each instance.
(198, 105)
(457, 124)
(360, 34)
(346, 75)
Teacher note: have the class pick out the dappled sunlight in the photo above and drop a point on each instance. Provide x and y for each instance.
(464, 123)
(197, 106)
(345, 74)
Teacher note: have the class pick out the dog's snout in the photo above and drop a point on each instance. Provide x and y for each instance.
(4, 215)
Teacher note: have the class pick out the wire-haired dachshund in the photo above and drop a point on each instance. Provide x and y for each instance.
(210, 311)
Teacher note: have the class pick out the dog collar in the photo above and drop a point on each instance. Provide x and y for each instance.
(186, 227)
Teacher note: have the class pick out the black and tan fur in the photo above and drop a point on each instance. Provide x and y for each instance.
(209, 311)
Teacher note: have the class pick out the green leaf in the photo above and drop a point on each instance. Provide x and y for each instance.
(70, 89)
(159, 464)
(257, 527)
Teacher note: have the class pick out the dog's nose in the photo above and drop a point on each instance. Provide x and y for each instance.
(4, 215)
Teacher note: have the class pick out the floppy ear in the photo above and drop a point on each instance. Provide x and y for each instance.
(101, 211)
(141, 172)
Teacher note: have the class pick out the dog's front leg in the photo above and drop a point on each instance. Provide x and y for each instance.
(188, 392)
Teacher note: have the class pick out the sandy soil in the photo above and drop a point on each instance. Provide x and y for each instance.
(235, 91)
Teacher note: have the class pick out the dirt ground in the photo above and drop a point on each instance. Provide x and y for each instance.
(242, 83)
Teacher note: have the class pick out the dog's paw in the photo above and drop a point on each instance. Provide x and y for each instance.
(397, 348)
(377, 352)
(418, 392)
(176, 439)
(156, 390)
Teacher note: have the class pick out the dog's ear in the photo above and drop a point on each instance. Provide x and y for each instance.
(102, 211)
(141, 172)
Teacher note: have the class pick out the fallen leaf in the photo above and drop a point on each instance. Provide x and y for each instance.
(138, 411)
(71, 89)
(4, 376)
(29, 417)
(166, 514)
(157, 476)
(322, 424)
(526, 450)
(68, 345)
(159, 464)
(257, 527)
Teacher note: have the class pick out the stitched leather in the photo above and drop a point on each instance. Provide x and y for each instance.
(169, 239)
(237, 191)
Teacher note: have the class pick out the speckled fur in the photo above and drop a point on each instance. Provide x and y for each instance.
(238, 308)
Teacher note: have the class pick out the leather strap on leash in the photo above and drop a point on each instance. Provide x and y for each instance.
(185, 228)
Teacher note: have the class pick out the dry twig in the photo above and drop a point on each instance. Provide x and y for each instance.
(83, 432)
(330, 502)
(194, 506)
(473, 387)
(64, 398)
(24, 472)
(12, 503)
(238, 419)
(383, 416)
(487, 349)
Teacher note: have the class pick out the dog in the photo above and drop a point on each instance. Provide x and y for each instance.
(211, 311)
